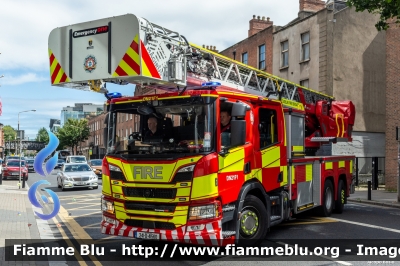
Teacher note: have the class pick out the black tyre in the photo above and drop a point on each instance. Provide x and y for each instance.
(252, 222)
(4, 177)
(328, 199)
(341, 197)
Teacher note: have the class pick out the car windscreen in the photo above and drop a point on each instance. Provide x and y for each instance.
(77, 168)
(96, 162)
(15, 163)
(78, 159)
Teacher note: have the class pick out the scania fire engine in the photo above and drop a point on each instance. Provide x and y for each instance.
(194, 183)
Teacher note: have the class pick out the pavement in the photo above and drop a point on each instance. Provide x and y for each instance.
(18, 220)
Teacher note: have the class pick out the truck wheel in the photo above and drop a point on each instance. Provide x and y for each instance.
(339, 204)
(327, 206)
(252, 222)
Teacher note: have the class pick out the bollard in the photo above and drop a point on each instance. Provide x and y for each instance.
(369, 190)
(23, 181)
(1, 179)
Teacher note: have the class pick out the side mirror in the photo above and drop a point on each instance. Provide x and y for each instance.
(238, 135)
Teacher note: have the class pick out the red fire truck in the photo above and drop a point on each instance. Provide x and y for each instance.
(191, 182)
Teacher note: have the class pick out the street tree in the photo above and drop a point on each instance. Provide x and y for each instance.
(10, 134)
(73, 132)
(387, 9)
(42, 135)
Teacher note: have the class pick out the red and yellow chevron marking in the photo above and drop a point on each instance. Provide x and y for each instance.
(130, 62)
(148, 67)
(56, 72)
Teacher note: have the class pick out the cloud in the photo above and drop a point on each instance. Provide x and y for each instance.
(21, 79)
(27, 24)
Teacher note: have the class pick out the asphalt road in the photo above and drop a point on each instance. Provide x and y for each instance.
(80, 218)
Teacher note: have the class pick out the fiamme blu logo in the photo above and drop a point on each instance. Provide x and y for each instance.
(45, 169)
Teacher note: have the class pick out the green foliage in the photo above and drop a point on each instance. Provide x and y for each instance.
(388, 9)
(73, 133)
(9, 133)
(42, 135)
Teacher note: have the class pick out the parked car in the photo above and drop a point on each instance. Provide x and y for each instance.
(76, 159)
(12, 169)
(29, 164)
(77, 175)
(96, 165)
(16, 157)
(60, 163)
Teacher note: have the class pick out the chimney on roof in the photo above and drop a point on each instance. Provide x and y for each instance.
(311, 5)
(258, 24)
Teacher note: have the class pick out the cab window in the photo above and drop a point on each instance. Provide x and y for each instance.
(268, 127)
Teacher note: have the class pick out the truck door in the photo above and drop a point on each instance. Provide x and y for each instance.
(271, 144)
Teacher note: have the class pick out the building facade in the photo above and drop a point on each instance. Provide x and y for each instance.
(80, 110)
(332, 49)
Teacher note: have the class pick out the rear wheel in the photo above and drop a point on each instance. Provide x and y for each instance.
(327, 206)
(339, 204)
(253, 221)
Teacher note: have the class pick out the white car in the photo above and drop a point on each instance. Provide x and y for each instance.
(76, 159)
(74, 175)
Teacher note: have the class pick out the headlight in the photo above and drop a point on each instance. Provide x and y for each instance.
(107, 206)
(186, 169)
(114, 168)
(204, 212)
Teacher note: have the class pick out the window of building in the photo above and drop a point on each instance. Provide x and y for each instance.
(268, 127)
(127, 117)
(304, 83)
(261, 56)
(284, 53)
(245, 58)
(305, 46)
(130, 130)
(131, 117)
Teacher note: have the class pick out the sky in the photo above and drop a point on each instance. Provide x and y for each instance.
(26, 25)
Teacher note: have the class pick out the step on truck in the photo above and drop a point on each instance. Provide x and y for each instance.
(193, 183)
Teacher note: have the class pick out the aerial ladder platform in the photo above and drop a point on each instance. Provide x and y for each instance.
(132, 50)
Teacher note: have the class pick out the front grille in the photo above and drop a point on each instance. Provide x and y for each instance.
(161, 193)
(85, 178)
(183, 177)
(116, 175)
(161, 207)
(150, 224)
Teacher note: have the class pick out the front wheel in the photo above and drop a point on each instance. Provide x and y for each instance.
(327, 205)
(253, 221)
(339, 204)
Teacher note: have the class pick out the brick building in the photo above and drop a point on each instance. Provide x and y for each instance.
(331, 48)
(392, 106)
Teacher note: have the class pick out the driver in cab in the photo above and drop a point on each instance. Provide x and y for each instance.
(152, 125)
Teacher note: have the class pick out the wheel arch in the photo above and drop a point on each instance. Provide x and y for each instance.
(255, 188)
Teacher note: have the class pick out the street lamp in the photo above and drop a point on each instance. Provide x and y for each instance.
(20, 150)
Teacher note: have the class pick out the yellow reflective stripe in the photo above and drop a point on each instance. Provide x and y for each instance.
(297, 148)
(328, 165)
(106, 185)
(309, 176)
(271, 157)
(204, 187)
(351, 166)
(341, 164)
(233, 160)
(293, 175)
(284, 171)
(178, 220)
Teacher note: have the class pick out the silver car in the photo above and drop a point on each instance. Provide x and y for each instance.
(74, 175)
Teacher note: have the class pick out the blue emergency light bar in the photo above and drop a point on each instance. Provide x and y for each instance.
(211, 84)
(112, 95)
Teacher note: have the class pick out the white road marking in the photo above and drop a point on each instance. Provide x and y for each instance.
(366, 225)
